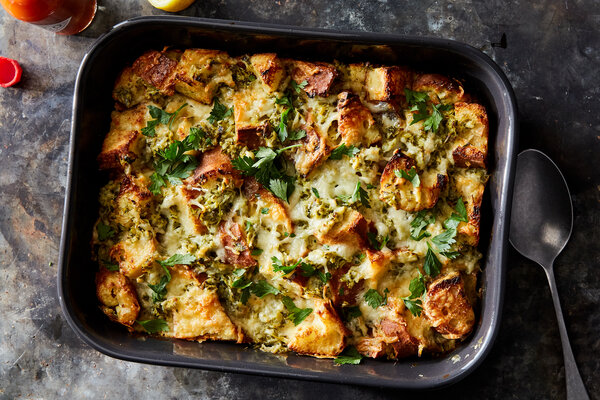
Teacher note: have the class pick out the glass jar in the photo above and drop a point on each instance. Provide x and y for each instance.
(64, 17)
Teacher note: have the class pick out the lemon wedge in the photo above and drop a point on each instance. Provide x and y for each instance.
(171, 5)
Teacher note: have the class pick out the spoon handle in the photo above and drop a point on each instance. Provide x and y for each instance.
(575, 388)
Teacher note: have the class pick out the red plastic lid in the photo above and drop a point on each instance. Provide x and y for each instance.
(10, 72)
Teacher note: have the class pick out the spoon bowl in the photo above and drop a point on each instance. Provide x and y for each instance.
(540, 227)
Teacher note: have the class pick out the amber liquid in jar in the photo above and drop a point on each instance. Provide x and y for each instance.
(64, 17)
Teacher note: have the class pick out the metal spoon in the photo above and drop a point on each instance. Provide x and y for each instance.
(540, 227)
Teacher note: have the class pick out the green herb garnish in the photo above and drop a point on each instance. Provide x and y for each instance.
(219, 112)
(349, 356)
(154, 325)
(343, 150)
(297, 315)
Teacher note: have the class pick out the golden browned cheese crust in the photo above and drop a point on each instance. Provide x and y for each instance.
(292, 205)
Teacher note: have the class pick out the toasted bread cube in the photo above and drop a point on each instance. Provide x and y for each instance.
(117, 296)
(197, 311)
(440, 88)
(401, 193)
(269, 69)
(124, 143)
(251, 113)
(132, 201)
(387, 83)
(237, 251)
(470, 186)
(157, 70)
(313, 152)
(214, 164)
(391, 339)
(129, 89)
(322, 334)
(447, 307)
(351, 230)
(355, 122)
(256, 192)
(342, 291)
(134, 256)
(318, 76)
(201, 72)
(356, 77)
(472, 135)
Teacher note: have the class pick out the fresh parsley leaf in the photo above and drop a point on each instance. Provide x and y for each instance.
(374, 299)
(376, 244)
(414, 306)
(297, 86)
(265, 170)
(173, 164)
(444, 240)
(104, 231)
(417, 287)
(284, 101)
(413, 98)
(297, 315)
(256, 251)
(418, 225)
(219, 112)
(316, 193)
(245, 295)
(359, 195)
(342, 150)
(154, 325)
(349, 356)
(185, 259)
(157, 183)
(241, 282)
(282, 132)
(159, 291)
(264, 210)
(278, 266)
(459, 216)
(263, 288)
(247, 225)
(450, 254)
(410, 176)
(351, 312)
(297, 135)
(110, 266)
(432, 265)
(162, 117)
(279, 188)
(369, 186)
(418, 101)
(309, 270)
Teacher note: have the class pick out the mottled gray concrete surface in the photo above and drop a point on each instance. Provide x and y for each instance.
(552, 58)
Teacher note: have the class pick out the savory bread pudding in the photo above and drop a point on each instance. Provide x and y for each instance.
(327, 209)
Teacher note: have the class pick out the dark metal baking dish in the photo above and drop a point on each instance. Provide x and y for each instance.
(92, 105)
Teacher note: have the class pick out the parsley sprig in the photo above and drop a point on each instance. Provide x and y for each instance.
(160, 117)
(417, 290)
(412, 176)
(298, 86)
(264, 169)
(359, 195)
(349, 356)
(154, 325)
(375, 243)
(219, 112)
(343, 150)
(159, 291)
(296, 314)
(173, 164)
(259, 289)
(375, 299)
(419, 224)
(420, 109)
(282, 130)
